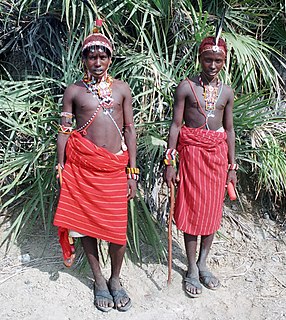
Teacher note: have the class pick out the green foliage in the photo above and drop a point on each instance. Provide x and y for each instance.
(27, 153)
(156, 44)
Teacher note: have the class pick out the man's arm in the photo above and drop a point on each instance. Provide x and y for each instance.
(229, 129)
(178, 113)
(129, 136)
(66, 122)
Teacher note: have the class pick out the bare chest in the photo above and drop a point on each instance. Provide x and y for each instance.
(207, 99)
(87, 102)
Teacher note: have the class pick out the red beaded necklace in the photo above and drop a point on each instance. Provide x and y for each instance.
(100, 90)
(210, 94)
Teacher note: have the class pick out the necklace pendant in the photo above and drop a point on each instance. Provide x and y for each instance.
(107, 111)
(210, 114)
(123, 146)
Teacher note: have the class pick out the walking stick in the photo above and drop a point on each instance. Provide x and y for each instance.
(60, 174)
(172, 201)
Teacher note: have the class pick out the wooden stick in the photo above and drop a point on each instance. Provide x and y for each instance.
(172, 201)
(60, 174)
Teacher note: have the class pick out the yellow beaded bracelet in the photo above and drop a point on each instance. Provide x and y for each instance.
(132, 173)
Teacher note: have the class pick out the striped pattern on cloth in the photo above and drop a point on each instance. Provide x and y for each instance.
(93, 197)
(203, 172)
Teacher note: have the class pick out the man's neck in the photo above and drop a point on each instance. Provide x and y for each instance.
(209, 80)
(97, 80)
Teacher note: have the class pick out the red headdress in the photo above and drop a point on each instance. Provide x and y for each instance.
(97, 38)
(211, 44)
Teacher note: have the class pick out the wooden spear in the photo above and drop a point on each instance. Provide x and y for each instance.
(172, 204)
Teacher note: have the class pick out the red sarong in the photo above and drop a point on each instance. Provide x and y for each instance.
(201, 189)
(93, 197)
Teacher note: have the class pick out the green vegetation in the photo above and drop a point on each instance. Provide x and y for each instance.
(156, 43)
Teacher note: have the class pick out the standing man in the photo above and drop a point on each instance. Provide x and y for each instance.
(96, 184)
(206, 148)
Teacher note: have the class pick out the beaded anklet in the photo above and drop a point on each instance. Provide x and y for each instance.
(133, 173)
(170, 157)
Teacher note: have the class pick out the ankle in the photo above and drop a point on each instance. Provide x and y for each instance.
(114, 282)
(202, 265)
(193, 270)
(99, 280)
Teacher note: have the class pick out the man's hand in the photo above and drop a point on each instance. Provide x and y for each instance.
(231, 177)
(131, 188)
(59, 169)
(170, 175)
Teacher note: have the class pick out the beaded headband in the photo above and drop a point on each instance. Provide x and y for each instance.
(97, 38)
(214, 44)
(213, 48)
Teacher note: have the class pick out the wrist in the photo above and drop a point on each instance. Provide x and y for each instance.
(59, 166)
(170, 157)
(233, 167)
(132, 173)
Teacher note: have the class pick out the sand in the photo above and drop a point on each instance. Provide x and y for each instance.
(248, 255)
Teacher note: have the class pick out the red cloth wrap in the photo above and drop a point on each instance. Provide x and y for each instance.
(67, 248)
(93, 198)
(203, 172)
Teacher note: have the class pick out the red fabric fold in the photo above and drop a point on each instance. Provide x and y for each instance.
(93, 197)
(203, 171)
(67, 247)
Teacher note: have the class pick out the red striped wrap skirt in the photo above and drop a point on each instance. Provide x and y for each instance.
(203, 173)
(93, 197)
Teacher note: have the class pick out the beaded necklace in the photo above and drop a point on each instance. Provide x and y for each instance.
(101, 90)
(211, 96)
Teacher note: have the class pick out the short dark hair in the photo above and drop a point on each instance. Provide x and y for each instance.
(93, 48)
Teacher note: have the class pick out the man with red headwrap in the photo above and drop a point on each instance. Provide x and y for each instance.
(93, 158)
(205, 144)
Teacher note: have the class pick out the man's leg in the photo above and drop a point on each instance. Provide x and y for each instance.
(192, 284)
(91, 250)
(206, 277)
(121, 299)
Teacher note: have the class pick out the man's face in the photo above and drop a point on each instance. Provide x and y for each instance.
(97, 63)
(212, 63)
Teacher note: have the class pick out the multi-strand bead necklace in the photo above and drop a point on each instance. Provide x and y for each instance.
(101, 90)
(211, 95)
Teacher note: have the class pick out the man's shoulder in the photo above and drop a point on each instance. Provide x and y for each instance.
(228, 90)
(185, 84)
(73, 89)
(75, 86)
(120, 83)
(121, 86)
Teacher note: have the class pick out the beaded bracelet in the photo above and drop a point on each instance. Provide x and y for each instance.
(132, 173)
(65, 130)
(170, 157)
(233, 166)
(66, 114)
(59, 167)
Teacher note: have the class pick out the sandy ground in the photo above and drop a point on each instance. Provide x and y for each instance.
(249, 257)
